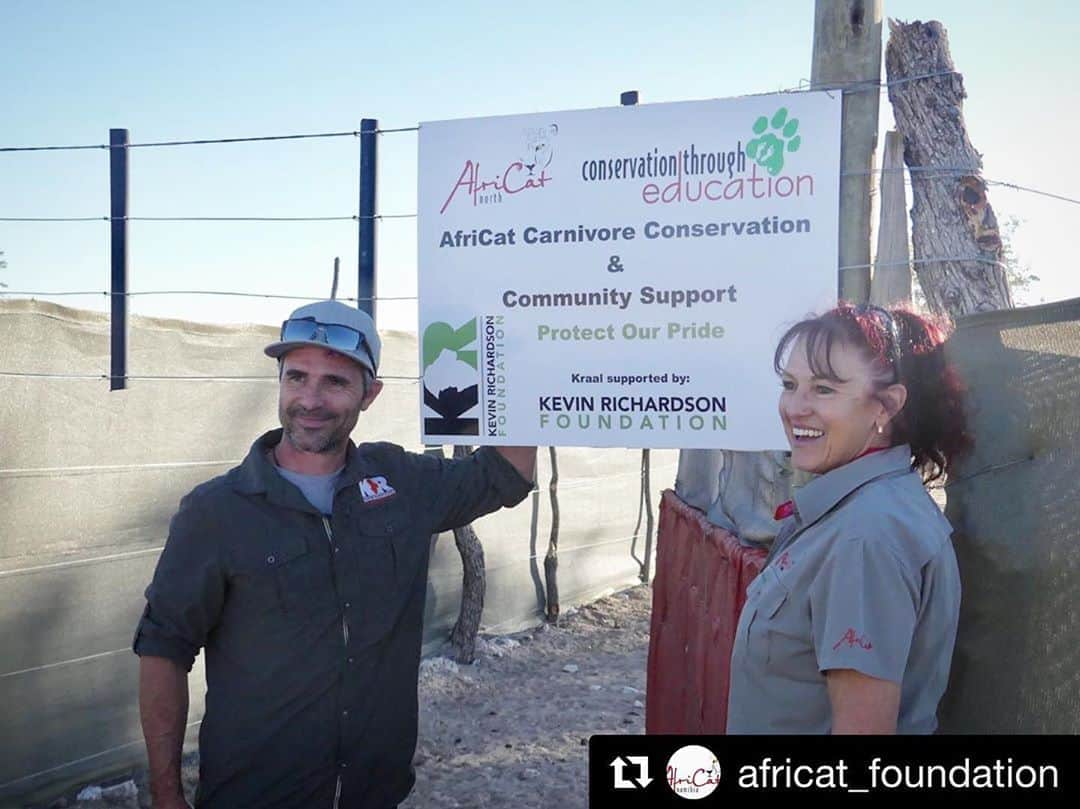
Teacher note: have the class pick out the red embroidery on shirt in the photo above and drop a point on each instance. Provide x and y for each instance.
(784, 510)
(852, 640)
(785, 561)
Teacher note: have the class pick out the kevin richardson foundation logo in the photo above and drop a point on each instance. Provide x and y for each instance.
(451, 379)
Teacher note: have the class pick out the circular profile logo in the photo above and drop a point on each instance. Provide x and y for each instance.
(693, 772)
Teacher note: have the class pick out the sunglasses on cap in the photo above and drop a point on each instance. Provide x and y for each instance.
(333, 335)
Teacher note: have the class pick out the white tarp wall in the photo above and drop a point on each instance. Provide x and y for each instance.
(89, 479)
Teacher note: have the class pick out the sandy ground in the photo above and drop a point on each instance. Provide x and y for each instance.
(510, 730)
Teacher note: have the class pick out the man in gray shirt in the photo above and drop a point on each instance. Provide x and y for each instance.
(302, 574)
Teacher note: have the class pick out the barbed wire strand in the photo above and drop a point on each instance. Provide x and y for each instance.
(271, 296)
(879, 264)
(198, 142)
(353, 217)
(846, 87)
(206, 141)
(224, 293)
(1034, 191)
(54, 219)
(940, 260)
(918, 174)
(173, 377)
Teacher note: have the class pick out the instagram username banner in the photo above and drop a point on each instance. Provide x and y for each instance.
(658, 771)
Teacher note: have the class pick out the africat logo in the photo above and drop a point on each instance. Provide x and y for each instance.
(528, 172)
(693, 772)
(851, 639)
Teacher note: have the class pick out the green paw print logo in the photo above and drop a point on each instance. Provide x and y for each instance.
(768, 149)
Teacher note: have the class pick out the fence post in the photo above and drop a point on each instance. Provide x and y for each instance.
(118, 226)
(847, 49)
(368, 170)
(629, 98)
(890, 283)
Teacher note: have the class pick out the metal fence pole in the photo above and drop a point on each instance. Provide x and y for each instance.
(368, 171)
(629, 98)
(118, 227)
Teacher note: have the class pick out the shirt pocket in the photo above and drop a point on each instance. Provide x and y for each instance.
(300, 575)
(785, 633)
(376, 567)
(767, 596)
(764, 601)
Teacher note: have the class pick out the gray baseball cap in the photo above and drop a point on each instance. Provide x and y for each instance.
(332, 325)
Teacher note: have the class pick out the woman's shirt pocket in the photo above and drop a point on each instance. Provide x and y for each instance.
(780, 630)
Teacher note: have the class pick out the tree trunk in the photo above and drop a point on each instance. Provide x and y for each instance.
(951, 217)
(646, 497)
(473, 586)
(891, 283)
(551, 559)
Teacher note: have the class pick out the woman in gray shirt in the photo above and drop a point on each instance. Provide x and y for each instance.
(850, 626)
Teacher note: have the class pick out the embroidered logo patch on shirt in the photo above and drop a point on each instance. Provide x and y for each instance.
(851, 639)
(376, 488)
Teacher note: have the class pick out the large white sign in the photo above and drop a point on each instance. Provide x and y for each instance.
(619, 277)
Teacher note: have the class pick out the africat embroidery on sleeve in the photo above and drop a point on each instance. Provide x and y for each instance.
(851, 639)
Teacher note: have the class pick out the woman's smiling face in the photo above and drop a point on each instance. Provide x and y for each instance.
(830, 421)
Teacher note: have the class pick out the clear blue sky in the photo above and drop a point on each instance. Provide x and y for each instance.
(71, 70)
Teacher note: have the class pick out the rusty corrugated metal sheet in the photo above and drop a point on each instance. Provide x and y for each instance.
(701, 576)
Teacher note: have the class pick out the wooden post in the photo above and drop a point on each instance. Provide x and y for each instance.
(551, 558)
(951, 217)
(847, 50)
(891, 282)
(473, 586)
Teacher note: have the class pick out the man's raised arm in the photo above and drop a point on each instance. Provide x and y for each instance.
(523, 460)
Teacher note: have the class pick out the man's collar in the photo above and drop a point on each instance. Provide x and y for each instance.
(821, 494)
(257, 475)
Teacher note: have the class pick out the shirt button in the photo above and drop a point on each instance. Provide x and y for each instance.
(337, 549)
(352, 659)
(345, 713)
(343, 765)
(270, 560)
(347, 605)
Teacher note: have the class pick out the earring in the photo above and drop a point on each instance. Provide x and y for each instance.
(880, 430)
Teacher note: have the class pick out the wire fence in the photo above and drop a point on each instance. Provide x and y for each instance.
(913, 175)
(804, 86)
